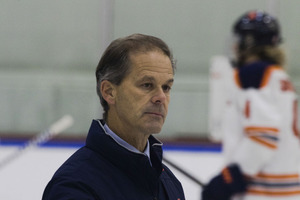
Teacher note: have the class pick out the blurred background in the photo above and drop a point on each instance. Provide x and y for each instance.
(48, 54)
(49, 51)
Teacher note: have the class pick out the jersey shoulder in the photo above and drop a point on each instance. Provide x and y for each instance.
(255, 75)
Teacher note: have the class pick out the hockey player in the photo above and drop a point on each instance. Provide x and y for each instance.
(261, 140)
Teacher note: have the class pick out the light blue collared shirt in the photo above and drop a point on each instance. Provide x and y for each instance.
(125, 144)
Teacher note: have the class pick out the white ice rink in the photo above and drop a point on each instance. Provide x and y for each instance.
(26, 177)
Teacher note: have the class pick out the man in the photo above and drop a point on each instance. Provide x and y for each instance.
(121, 158)
(261, 141)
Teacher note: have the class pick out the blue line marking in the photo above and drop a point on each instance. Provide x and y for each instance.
(77, 144)
(192, 148)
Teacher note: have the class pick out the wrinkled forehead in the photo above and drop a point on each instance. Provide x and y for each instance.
(148, 54)
(153, 63)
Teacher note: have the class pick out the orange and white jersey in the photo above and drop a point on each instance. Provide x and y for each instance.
(260, 132)
(220, 78)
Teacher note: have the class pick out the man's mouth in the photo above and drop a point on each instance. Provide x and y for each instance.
(158, 114)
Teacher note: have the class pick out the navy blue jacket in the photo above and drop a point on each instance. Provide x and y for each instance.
(104, 170)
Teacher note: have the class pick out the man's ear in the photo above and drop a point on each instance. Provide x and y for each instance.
(107, 90)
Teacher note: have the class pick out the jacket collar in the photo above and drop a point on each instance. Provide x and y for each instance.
(132, 163)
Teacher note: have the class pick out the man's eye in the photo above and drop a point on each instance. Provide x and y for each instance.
(166, 88)
(147, 85)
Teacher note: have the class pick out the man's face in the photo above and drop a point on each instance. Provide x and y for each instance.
(142, 99)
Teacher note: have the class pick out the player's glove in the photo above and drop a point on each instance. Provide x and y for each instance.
(223, 186)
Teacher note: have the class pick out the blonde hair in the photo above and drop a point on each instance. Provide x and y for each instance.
(267, 53)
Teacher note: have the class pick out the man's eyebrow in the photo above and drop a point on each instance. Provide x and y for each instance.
(170, 80)
(152, 79)
(147, 78)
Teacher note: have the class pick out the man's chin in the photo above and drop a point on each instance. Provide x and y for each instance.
(153, 126)
(154, 129)
(155, 133)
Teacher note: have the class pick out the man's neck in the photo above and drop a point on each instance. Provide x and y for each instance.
(132, 137)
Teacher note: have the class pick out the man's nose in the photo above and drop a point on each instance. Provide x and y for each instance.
(159, 96)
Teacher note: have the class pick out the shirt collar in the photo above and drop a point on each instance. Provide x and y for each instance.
(123, 143)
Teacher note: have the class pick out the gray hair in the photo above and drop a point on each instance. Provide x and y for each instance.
(114, 64)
